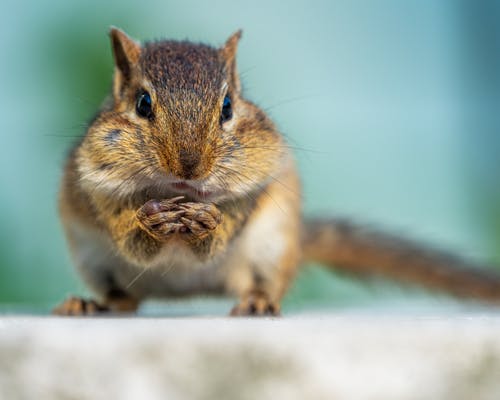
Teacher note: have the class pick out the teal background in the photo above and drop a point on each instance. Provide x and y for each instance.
(395, 106)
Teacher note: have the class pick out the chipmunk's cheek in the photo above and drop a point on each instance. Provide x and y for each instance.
(112, 136)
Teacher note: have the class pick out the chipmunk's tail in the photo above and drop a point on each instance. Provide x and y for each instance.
(351, 248)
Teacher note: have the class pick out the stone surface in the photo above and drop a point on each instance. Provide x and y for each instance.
(350, 355)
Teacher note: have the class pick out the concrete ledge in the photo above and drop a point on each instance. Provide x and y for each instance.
(350, 356)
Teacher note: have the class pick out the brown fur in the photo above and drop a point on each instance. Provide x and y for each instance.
(179, 203)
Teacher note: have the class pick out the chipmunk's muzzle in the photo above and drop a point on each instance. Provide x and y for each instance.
(189, 162)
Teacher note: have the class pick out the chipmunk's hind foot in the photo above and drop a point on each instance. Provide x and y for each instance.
(256, 304)
(76, 306)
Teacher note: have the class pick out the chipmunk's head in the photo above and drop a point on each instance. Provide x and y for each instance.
(178, 121)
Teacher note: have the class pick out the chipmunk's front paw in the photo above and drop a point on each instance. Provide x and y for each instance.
(200, 218)
(162, 218)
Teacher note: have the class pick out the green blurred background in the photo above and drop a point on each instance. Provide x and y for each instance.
(396, 105)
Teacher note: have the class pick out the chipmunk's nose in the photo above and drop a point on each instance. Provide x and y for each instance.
(189, 161)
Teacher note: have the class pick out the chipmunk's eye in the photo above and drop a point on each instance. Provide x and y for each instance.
(143, 106)
(227, 110)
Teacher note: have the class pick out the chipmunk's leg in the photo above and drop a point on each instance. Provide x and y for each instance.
(264, 264)
(100, 268)
(260, 290)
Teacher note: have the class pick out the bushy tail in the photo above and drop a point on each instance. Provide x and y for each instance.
(358, 250)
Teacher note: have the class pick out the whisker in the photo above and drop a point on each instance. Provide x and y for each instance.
(263, 174)
(168, 268)
(120, 186)
(305, 149)
(292, 100)
(226, 186)
(277, 181)
(62, 136)
(258, 185)
(136, 278)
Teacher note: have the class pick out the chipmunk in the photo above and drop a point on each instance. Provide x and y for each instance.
(182, 186)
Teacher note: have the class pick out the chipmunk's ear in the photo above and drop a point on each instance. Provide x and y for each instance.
(126, 52)
(228, 52)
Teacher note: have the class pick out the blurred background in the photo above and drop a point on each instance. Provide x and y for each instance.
(395, 107)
